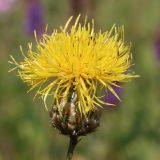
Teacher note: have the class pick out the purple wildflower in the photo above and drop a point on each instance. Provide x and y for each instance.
(34, 21)
(157, 46)
(110, 97)
(6, 5)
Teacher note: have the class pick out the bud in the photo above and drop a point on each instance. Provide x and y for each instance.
(68, 119)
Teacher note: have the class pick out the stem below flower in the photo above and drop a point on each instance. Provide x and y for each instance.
(71, 147)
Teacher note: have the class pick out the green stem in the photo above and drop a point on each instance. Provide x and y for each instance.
(71, 147)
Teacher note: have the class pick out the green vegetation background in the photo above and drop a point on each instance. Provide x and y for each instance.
(132, 132)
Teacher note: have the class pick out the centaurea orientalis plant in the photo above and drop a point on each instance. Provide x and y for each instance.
(74, 67)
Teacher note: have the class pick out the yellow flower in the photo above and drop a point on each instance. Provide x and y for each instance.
(81, 60)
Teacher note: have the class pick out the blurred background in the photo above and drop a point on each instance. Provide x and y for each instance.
(131, 132)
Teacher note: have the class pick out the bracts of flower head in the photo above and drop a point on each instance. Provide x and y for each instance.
(69, 121)
(34, 18)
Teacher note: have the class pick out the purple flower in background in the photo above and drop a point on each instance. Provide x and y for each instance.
(157, 46)
(110, 97)
(34, 20)
(6, 5)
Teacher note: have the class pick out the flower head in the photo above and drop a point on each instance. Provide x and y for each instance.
(80, 61)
